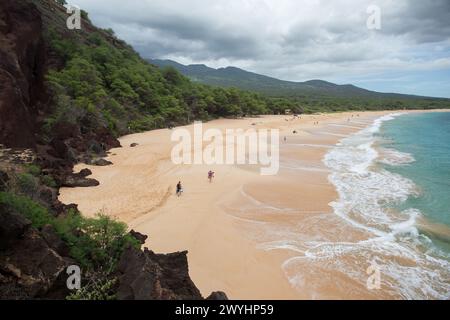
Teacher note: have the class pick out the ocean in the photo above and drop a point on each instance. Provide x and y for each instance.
(393, 181)
(426, 139)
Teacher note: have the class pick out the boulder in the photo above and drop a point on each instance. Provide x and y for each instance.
(47, 194)
(73, 181)
(29, 267)
(144, 275)
(12, 226)
(101, 162)
(133, 145)
(53, 240)
(218, 295)
(84, 173)
(138, 236)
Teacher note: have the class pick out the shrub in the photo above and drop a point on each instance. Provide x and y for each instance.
(94, 242)
(27, 184)
(95, 288)
(33, 169)
(48, 181)
(37, 214)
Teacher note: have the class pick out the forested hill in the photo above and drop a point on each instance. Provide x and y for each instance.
(232, 76)
(318, 94)
(96, 82)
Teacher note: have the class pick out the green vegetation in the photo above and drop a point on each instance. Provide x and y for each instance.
(110, 85)
(93, 242)
(104, 83)
(36, 213)
(310, 96)
(96, 244)
(28, 181)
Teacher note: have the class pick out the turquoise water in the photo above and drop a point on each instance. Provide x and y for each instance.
(393, 182)
(426, 137)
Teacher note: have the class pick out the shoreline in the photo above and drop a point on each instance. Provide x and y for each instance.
(216, 222)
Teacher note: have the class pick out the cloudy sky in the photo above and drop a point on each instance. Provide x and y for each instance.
(294, 40)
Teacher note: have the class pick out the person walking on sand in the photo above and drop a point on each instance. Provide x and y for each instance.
(210, 176)
(179, 189)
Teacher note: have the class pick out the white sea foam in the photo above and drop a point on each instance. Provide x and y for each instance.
(394, 157)
(344, 126)
(365, 192)
(305, 168)
(311, 145)
(409, 267)
(332, 134)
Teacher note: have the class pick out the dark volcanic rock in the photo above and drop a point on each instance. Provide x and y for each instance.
(12, 226)
(63, 209)
(74, 181)
(79, 179)
(218, 295)
(139, 236)
(33, 262)
(133, 145)
(22, 64)
(47, 195)
(29, 268)
(144, 275)
(101, 162)
(54, 241)
(3, 180)
(85, 173)
(60, 149)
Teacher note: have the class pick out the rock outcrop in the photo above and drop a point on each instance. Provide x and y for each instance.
(32, 261)
(22, 70)
(29, 266)
(144, 275)
(218, 295)
(25, 100)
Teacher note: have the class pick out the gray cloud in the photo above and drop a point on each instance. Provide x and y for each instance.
(421, 21)
(290, 39)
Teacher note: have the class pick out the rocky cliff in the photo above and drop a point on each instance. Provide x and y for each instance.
(22, 69)
(33, 260)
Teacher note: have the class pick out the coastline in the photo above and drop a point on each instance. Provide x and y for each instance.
(229, 226)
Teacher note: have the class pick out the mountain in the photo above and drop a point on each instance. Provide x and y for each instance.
(235, 77)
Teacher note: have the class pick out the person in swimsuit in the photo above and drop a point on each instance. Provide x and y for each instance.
(210, 176)
(179, 188)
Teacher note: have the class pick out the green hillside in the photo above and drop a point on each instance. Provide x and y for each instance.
(312, 95)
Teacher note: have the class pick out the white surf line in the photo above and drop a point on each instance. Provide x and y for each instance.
(279, 245)
(263, 205)
(333, 134)
(345, 126)
(313, 169)
(245, 219)
(326, 146)
(362, 122)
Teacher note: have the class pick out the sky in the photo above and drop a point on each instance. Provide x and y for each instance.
(406, 50)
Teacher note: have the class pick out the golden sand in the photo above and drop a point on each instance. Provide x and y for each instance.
(222, 224)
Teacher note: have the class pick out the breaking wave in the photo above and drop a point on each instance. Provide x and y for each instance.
(367, 197)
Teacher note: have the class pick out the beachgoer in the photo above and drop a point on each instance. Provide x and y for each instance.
(179, 188)
(210, 175)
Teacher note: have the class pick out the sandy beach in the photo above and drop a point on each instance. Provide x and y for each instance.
(232, 227)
